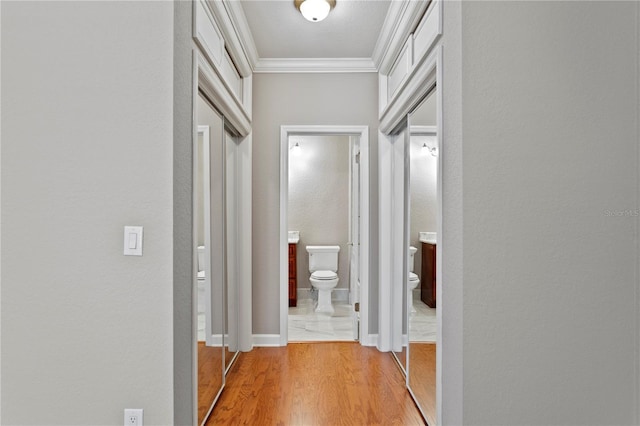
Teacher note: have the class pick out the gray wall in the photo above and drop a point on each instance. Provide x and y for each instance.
(541, 121)
(301, 99)
(319, 200)
(87, 142)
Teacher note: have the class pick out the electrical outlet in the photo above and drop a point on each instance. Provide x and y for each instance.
(133, 417)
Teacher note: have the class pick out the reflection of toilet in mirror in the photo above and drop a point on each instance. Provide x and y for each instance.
(323, 265)
(201, 279)
(414, 280)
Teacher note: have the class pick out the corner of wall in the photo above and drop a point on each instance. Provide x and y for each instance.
(183, 127)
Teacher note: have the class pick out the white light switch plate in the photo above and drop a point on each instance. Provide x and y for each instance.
(133, 240)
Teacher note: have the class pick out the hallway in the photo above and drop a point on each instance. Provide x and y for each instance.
(315, 384)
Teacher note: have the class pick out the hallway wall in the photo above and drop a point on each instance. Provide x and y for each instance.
(301, 99)
(540, 245)
(87, 147)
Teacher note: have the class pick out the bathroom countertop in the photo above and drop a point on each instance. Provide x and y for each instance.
(428, 237)
(294, 237)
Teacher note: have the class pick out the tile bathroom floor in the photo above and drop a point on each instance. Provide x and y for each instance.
(422, 323)
(307, 326)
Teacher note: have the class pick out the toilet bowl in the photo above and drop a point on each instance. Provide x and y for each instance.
(201, 279)
(414, 280)
(323, 265)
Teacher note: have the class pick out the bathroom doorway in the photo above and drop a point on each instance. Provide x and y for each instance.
(324, 166)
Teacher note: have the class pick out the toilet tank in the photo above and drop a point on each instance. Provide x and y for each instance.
(323, 258)
(412, 253)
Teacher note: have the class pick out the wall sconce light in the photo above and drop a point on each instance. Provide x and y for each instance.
(433, 151)
(314, 10)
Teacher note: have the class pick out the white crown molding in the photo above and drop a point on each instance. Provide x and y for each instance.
(239, 22)
(389, 27)
(314, 65)
(401, 21)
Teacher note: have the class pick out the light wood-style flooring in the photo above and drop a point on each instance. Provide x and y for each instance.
(209, 377)
(337, 383)
(423, 379)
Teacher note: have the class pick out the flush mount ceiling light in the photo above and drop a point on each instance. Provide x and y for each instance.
(314, 10)
(433, 151)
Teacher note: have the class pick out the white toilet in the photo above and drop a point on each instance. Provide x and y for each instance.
(414, 281)
(323, 265)
(201, 279)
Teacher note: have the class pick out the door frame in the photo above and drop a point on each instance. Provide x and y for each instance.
(315, 130)
(206, 161)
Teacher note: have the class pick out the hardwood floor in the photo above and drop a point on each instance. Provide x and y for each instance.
(337, 383)
(209, 377)
(424, 355)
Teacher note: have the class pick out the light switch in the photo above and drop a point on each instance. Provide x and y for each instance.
(133, 240)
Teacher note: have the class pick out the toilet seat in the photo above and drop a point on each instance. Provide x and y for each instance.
(324, 275)
(201, 275)
(413, 276)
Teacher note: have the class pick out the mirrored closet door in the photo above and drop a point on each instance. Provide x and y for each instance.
(232, 251)
(400, 321)
(421, 239)
(209, 255)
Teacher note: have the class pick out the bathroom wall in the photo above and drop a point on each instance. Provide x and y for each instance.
(319, 200)
(423, 179)
(87, 148)
(305, 99)
(424, 197)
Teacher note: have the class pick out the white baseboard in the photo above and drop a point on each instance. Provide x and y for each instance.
(273, 340)
(266, 340)
(215, 340)
(369, 340)
(340, 295)
(416, 293)
(303, 293)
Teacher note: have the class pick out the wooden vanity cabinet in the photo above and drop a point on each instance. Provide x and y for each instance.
(428, 279)
(293, 280)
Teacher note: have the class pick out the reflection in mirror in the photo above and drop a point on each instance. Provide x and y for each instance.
(422, 209)
(400, 347)
(231, 283)
(208, 254)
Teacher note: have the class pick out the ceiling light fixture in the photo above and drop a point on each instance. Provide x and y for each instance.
(433, 151)
(314, 10)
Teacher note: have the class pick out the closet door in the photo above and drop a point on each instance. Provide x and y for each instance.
(422, 223)
(209, 239)
(232, 248)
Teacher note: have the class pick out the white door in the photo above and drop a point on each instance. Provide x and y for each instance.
(354, 231)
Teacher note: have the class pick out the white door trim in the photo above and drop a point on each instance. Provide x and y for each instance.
(206, 193)
(363, 132)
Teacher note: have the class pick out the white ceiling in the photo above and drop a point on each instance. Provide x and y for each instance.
(351, 30)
